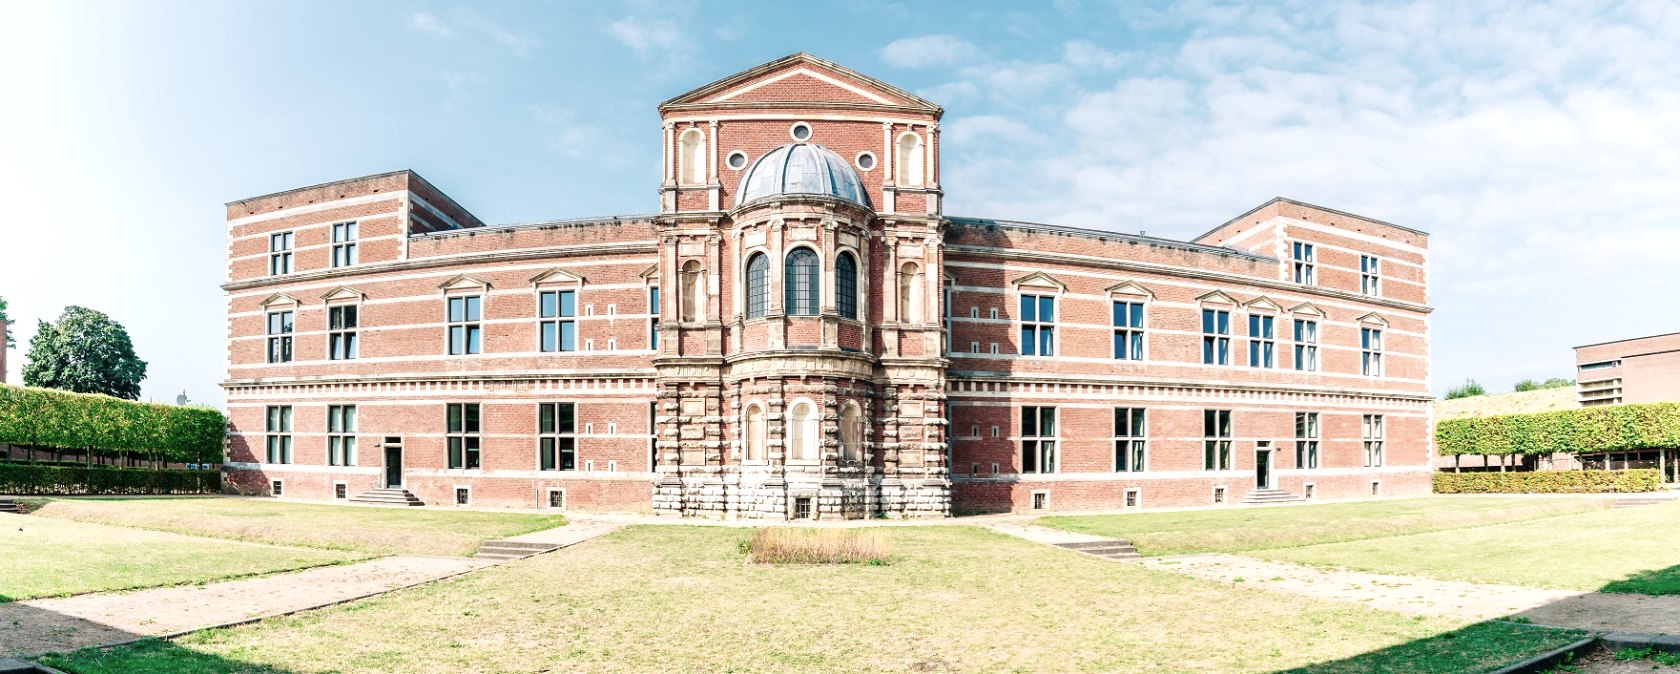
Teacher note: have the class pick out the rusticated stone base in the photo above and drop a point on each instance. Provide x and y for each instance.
(798, 494)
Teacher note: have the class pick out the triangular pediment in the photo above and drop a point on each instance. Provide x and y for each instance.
(1373, 318)
(1039, 279)
(799, 79)
(280, 299)
(1262, 303)
(651, 273)
(1217, 297)
(557, 276)
(1307, 309)
(343, 293)
(464, 282)
(949, 277)
(1129, 288)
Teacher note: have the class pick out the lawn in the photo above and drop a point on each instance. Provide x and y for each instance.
(664, 599)
(379, 531)
(1244, 529)
(1625, 550)
(48, 558)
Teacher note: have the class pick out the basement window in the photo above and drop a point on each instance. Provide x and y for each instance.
(1133, 496)
(276, 488)
(802, 508)
(463, 496)
(1218, 494)
(1041, 500)
(340, 490)
(557, 499)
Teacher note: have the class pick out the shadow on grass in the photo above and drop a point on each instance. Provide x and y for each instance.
(151, 656)
(1653, 582)
(62, 641)
(1482, 647)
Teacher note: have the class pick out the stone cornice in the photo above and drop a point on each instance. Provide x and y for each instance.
(432, 263)
(265, 382)
(1078, 380)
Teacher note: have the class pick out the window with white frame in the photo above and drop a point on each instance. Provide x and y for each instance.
(846, 285)
(280, 336)
(1216, 337)
(1371, 431)
(279, 253)
(1216, 439)
(801, 280)
(803, 433)
(341, 435)
(1038, 325)
(653, 318)
(343, 244)
(1306, 439)
(466, 335)
(1370, 275)
(1128, 330)
(557, 320)
(1302, 254)
(557, 436)
(462, 431)
(1370, 352)
(279, 428)
(758, 285)
(1306, 345)
(1129, 440)
(1038, 439)
(1262, 341)
(342, 331)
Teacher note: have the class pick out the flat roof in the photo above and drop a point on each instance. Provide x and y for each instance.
(598, 220)
(330, 183)
(1105, 234)
(1304, 204)
(1630, 339)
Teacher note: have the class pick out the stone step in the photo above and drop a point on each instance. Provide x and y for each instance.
(1113, 549)
(1637, 502)
(388, 497)
(10, 506)
(503, 550)
(1093, 544)
(1263, 496)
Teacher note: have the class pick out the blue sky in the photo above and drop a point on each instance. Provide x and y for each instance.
(1538, 143)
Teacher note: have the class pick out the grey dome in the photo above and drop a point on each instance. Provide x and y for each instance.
(800, 168)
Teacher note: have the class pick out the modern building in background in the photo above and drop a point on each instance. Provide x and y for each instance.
(800, 331)
(1639, 370)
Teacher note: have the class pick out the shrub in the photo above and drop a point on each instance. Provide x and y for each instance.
(1611, 428)
(109, 426)
(789, 545)
(1470, 388)
(29, 479)
(1550, 482)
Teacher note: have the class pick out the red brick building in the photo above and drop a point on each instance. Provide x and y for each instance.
(1638, 370)
(800, 331)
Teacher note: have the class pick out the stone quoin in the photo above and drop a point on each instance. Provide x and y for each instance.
(802, 332)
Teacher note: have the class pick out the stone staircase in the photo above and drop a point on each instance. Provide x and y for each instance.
(1269, 496)
(1637, 501)
(388, 497)
(10, 506)
(1115, 549)
(505, 550)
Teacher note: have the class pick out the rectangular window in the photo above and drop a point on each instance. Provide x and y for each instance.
(1303, 257)
(1128, 330)
(279, 253)
(279, 429)
(462, 433)
(465, 334)
(341, 332)
(1370, 352)
(558, 311)
(1262, 341)
(341, 435)
(1129, 443)
(1306, 346)
(1306, 439)
(1370, 275)
(1038, 325)
(1371, 428)
(280, 337)
(344, 244)
(556, 436)
(1216, 337)
(1216, 439)
(1038, 439)
(653, 318)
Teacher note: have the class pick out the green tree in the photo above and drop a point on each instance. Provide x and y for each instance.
(1557, 382)
(84, 352)
(1470, 388)
(11, 342)
(1526, 385)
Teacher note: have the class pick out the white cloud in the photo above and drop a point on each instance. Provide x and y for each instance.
(521, 42)
(645, 36)
(1086, 54)
(929, 51)
(427, 22)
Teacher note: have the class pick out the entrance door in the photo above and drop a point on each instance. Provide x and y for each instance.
(393, 466)
(1263, 467)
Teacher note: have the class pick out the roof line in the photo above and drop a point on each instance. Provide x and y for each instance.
(1630, 339)
(326, 184)
(1304, 204)
(1109, 234)
(597, 220)
(915, 101)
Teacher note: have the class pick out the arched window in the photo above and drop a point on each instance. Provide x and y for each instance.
(755, 433)
(693, 292)
(846, 286)
(802, 432)
(691, 158)
(909, 293)
(758, 284)
(800, 279)
(910, 165)
(851, 433)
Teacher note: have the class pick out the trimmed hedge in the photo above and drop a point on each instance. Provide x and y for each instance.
(1550, 482)
(109, 426)
(1611, 428)
(28, 479)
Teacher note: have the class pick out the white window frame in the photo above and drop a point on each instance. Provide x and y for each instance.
(280, 253)
(1373, 436)
(277, 429)
(344, 341)
(1216, 344)
(1037, 325)
(1303, 256)
(1131, 443)
(559, 320)
(558, 436)
(1216, 447)
(1308, 430)
(341, 435)
(1038, 444)
(1262, 348)
(344, 235)
(1370, 351)
(1136, 337)
(468, 324)
(1370, 275)
(1305, 334)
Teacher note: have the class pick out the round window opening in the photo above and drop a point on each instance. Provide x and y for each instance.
(801, 132)
(866, 161)
(737, 160)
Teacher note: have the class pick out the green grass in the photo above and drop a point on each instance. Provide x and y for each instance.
(379, 531)
(1630, 550)
(51, 558)
(1244, 529)
(959, 599)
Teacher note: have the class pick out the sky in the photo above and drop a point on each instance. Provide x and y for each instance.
(1538, 143)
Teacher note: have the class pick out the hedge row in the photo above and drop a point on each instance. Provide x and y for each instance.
(110, 426)
(29, 479)
(1611, 428)
(1550, 482)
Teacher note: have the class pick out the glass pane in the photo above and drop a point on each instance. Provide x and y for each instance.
(1137, 315)
(1122, 422)
(454, 452)
(568, 303)
(1138, 428)
(1223, 322)
(1029, 421)
(1046, 309)
(1224, 424)
(350, 419)
(333, 419)
(1047, 421)
(653, 301)
(457, 310)
(472, 308)
(1047, 342)
(454, 422)
(1029, 308)
(550, 337)
(471, 418)
(1119, 316)
(1120, 344)
(568, 418)
(350, 450)
(1048, 463)
(1029, 457)
(474, 339)
(546, 305)
(545, 418)
(568, 336)
(545, 453)
(1029, 341)
(1207, 321)
(286, 419)
(568, 454)
(1137, 346)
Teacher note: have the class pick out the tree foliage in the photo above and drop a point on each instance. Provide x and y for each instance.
(10, 340)
(84, 352)
(1470, 388)
(1531, 385)
(1609, 428)
(1550, 482)
(110, 427)
(35, 479)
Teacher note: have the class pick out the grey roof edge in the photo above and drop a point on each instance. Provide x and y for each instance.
(1303, 204)
(914, 100)
(597, 220)
(330, 183)
(1629, 339)
(1107, 234)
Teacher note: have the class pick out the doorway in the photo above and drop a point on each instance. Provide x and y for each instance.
(1263, 465)
(393, 463)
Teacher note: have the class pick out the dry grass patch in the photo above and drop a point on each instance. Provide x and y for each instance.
(791, 545)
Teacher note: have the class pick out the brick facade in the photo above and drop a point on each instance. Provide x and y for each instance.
(727, 401)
